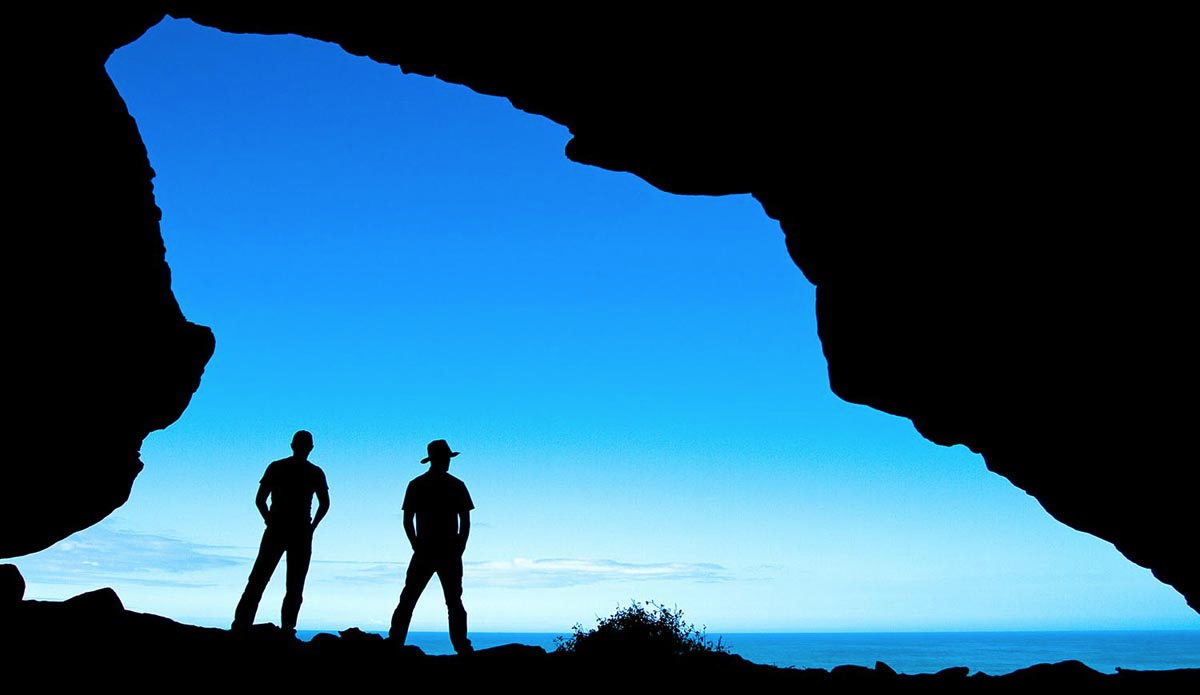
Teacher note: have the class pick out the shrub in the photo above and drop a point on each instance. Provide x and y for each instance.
(644, 629)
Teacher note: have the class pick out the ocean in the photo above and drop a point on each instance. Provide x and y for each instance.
(993, 653)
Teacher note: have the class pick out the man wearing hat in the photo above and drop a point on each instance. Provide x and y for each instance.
(437, 521)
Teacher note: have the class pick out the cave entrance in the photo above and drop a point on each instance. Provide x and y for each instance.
(633, 377)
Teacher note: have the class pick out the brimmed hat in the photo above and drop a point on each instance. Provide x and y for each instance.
(438, 448)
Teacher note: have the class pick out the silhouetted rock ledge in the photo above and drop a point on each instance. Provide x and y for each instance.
(91, 641)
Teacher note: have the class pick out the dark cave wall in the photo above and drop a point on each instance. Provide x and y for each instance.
(100, 354)
(989, 215)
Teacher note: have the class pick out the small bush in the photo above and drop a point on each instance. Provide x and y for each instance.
(644, 629)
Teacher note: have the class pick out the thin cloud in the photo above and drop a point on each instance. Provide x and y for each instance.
(565, 572)
(366, 572)
(550, 573)
(100, 553)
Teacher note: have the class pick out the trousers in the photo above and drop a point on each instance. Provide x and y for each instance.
(296, 541)
(448, 567)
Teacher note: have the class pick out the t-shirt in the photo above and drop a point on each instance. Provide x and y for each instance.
(436, 499)
(292, 483)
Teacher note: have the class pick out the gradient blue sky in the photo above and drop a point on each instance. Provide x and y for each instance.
(633, 379)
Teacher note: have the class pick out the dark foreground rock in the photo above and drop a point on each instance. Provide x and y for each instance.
(91, 642)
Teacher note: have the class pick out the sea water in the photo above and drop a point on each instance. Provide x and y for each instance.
(993, 653)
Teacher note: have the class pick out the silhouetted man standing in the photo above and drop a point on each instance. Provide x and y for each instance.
(291, 484)
(437, 521)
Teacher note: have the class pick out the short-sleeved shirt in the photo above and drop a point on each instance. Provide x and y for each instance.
(436, 499)
(292, 483)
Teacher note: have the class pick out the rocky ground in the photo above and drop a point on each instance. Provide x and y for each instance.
(92, 642)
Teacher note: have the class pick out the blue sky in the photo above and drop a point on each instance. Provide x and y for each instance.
(633, 379)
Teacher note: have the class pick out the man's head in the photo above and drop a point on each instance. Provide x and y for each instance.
(439, 454)
(302, 443)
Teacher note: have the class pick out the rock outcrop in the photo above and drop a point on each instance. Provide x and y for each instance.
(991, 210)
(91, 643)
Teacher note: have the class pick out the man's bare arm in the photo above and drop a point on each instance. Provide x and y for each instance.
(322, 507)
(260, 501)
(464, 529)
(409, 529)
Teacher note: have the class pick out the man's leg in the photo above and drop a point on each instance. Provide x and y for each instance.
(450, 574)
(299, 554)
(269, 552)
(420, 570)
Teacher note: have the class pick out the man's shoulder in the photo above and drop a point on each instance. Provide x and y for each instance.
(435, 481)
(440, 478)
(274, 467)
(292, 467)
(317, 474)
(417, 483)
